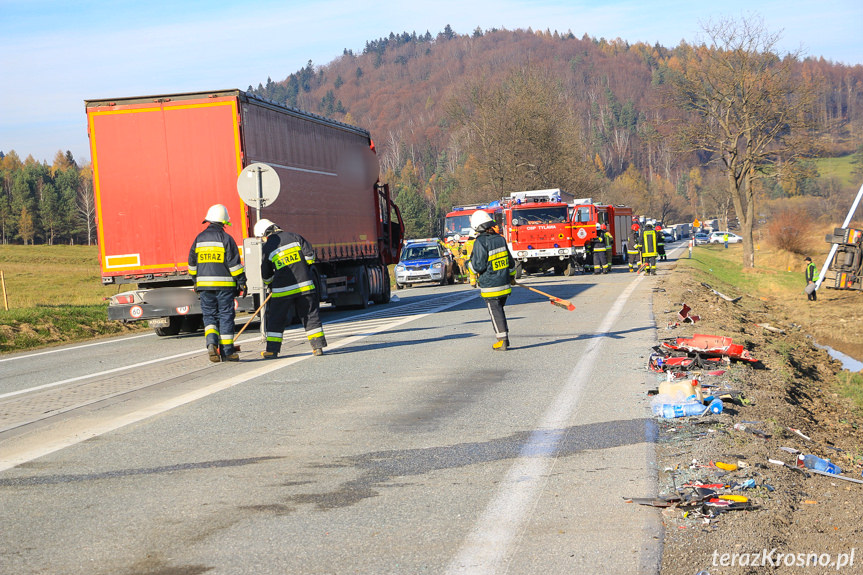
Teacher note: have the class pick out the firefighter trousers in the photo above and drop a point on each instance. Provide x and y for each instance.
(633, 260)
(280, 311)
(217, 307)
(600, 262)
(649, 264)
(498, 316)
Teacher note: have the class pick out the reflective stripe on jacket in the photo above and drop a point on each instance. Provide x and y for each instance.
(285, 264)
(648, 243)
(491, 261)
(214, 260)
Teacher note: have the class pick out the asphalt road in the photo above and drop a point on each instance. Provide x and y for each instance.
(410, 447)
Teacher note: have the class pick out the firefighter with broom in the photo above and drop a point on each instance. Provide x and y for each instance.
(492, 268)
(286, 271)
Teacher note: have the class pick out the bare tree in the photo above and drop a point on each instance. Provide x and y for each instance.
(747, 110)
(86, 203)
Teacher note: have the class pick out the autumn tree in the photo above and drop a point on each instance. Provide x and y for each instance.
(747, 108)
(522, 136)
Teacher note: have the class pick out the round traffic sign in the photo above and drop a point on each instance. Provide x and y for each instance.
(258, 185)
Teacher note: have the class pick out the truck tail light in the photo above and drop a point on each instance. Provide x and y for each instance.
(124, 299)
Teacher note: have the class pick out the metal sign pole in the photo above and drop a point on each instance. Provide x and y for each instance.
(259, 171)
(258, 186)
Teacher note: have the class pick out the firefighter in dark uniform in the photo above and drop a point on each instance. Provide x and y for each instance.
(648, 249)
(811, 279)
(600, 257)
(286, 272)
(492, 268)
(609, 248)
(660, 243)
(633, 248)
(214, 264)
(587, 258)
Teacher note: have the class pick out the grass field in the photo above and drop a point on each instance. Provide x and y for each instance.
(55, 295)
(839, 168)
(776, 273)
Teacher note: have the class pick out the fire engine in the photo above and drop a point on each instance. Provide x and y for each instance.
(457, 222)
(538, 231)
(585, 217)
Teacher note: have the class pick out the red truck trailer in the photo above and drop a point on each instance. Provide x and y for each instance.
(160, 161)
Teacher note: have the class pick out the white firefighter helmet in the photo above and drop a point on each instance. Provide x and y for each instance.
(263, 226)
(217, 214)
(480, 220)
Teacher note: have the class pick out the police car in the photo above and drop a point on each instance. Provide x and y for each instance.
(424, 260)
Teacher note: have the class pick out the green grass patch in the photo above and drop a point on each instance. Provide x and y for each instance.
(851, 386)
(49, 325)
(53, 275)
(837, 168)
(55, 295)
(723, 269)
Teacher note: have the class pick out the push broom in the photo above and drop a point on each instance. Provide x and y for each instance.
(567, 305)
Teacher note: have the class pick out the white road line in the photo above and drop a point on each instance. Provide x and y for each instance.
(290, 335)
(74, 348)
(25, 454)
(489, 542)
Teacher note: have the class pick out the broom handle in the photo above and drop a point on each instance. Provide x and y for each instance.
(257, 311)
(549, 296)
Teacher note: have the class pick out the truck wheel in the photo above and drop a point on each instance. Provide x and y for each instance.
(363, 288)
(172, 329)
(388, 290)
(559, 269)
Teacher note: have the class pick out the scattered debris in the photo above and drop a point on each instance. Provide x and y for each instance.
(722, 295)
(711, 346)
(685, 317)
(769, 327)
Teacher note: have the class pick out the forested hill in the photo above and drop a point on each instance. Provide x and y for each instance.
(403, 88)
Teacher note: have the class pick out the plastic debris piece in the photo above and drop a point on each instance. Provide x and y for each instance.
(726, 466)
(753, 431)
(800, 433)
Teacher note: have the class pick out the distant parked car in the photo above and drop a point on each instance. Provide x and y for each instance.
(667, 237)
(701, 239)
(718, 238)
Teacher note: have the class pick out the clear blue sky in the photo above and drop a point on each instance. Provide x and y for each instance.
(56, 54)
